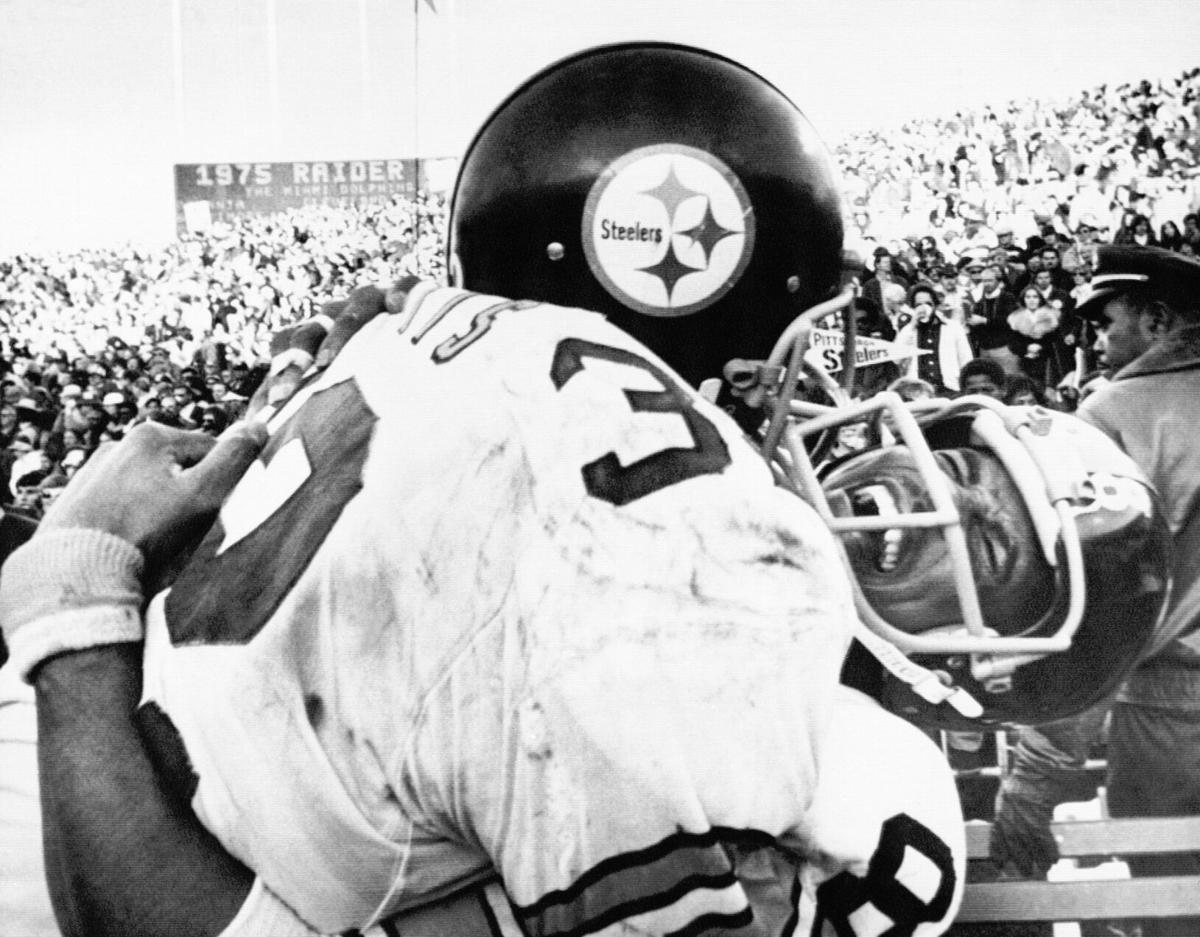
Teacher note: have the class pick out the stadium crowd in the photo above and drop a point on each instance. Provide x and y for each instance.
(95, 341)
(976, 231)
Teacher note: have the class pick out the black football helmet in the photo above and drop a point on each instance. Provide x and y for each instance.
(1016, 554)
(673, 190)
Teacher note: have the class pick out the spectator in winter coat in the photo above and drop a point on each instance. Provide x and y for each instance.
(988, 319)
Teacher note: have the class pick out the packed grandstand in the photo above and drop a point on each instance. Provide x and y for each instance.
(95, 340)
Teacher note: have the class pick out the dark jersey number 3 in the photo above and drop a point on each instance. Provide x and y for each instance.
(606, 478)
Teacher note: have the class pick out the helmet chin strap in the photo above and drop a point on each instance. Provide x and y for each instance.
(933, 687)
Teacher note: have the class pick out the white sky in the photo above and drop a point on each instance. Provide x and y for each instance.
(95, 106)
(853, 63)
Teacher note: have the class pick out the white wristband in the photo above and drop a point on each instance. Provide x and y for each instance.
(70, 589)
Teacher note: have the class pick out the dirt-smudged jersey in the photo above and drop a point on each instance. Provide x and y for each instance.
(502, 592)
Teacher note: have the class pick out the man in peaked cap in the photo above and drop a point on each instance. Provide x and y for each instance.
(1143, 277)
(1146, 306)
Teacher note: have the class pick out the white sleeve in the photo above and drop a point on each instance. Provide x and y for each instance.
(884, 839)
(263, 914)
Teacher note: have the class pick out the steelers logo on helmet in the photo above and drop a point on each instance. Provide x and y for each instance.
(620, 180)
(668, 229)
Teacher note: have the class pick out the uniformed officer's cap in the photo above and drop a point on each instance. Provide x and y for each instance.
(1162, 274)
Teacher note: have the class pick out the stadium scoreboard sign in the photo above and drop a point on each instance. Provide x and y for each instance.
(206, 193)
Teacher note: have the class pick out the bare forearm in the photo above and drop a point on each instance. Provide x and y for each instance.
(122, 857)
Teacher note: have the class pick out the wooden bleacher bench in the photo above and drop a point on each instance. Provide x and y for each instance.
(1164, 896)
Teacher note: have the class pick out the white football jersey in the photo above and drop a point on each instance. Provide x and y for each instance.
(502, 595)
(884, 842)
(880, 853)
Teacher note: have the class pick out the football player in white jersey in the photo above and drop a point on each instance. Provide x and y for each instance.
(615, 724)
(503, 628)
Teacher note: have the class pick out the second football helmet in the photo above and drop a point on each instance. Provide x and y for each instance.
(673, 190)
(1016, 553)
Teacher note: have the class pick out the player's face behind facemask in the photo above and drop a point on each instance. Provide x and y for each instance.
(906, 573)
(1069, 555)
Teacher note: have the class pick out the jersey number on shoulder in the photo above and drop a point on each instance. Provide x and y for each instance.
(250, 559)
(882, 904)
(606, 478)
